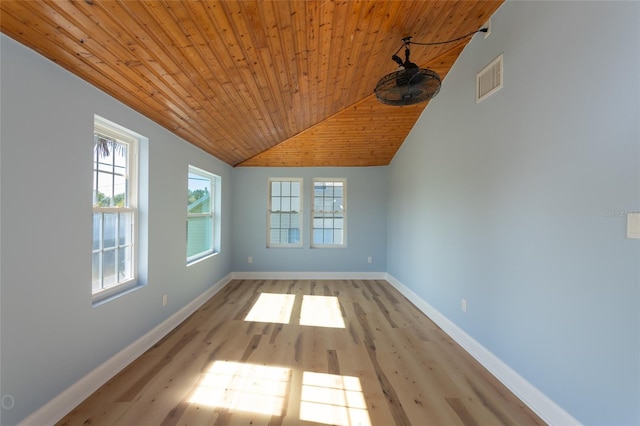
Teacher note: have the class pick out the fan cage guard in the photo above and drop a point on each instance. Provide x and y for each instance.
(408, 87)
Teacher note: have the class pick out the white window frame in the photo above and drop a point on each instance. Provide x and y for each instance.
(214, 183)
(118, 133)
(270, 211)
(343, 211)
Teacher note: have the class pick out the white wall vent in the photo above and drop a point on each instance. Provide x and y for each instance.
(489, 80)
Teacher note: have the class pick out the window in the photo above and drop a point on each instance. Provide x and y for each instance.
(329, 213)
(201, 214)
(284, 222)
(114, 262)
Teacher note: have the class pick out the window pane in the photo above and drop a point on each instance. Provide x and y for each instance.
(275, 204)
(96, 276)
(199, 188)
(105, 162)
(295, 220)
(120, 154)
(109, 230)
(286, 189)
(109, 268)
(286, 204)
(274, 236)
(276, 220)
(328, 236)
(295, 204)
(105, 189)
(275, 189)
(295, 189)
(124, 231)
(286, 221)
(294, 236)
(198, 235)
(125, 265)
(119, 191)
(206, 203)
(317, 236)
(317, 222)
(97, 228)
(337, 236)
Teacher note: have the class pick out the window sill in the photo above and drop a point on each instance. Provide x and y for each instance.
(110, 294)
(202, 258)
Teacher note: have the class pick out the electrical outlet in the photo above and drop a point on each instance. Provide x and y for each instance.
(164, 300)
(369, 259)
(463, 305)
(250, 259)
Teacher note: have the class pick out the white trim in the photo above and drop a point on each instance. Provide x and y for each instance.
(331, 181)
(213, 208)
(308, 275)
(300, 211)
(542, 405)
(60, 406)
(497, 73)
(132, 140)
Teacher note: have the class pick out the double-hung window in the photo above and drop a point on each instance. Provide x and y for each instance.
(201, 214)
(329, 216)
(114, 263)
(284, 221)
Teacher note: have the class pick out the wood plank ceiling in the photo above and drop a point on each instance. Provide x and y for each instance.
(254, 83)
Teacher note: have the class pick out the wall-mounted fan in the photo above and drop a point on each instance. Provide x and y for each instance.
(411, 84)
(408, 86)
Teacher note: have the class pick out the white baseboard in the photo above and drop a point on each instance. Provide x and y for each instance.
(61, 405)
(58, 407)
(544, 407)
(309, 275)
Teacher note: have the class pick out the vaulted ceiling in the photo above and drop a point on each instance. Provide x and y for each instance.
(254, 83)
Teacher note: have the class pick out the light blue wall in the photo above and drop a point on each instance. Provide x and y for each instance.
(51, 335)
(366, 222)
(513, 203)
(516, 203)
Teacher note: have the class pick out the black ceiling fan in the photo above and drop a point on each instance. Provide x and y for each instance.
(411, 84)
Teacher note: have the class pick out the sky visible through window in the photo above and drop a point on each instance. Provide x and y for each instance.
(110, 175)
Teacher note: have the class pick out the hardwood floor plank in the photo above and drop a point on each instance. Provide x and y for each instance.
(129, 394)
(217, 368)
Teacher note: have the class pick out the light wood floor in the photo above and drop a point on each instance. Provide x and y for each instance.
(389, 365)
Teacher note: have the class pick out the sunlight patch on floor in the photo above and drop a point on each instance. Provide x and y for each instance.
(272, 307)
(321, 311)
(244, 387)
(333, 399)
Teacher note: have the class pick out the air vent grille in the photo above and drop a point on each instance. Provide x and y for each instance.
(489, 80)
